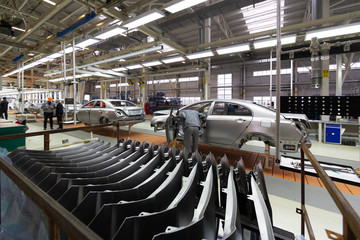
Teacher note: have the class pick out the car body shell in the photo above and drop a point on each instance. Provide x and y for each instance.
(250, 121)
(101, 111)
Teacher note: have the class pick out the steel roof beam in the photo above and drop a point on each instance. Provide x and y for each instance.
(41, 21)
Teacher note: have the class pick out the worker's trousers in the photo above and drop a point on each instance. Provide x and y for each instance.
(191, 135)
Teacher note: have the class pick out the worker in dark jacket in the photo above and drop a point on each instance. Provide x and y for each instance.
(4, 108)
(48, 108)
(59, 113)
(192, 121)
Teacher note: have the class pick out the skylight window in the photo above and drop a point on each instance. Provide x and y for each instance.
(262, 17)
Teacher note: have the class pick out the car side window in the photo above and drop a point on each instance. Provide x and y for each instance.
(200, 107)
(97, 104)
(219, 109)
(89, 104)
(240, 110)
(102, 105)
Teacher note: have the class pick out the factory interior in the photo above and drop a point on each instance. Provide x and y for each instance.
(95, 142)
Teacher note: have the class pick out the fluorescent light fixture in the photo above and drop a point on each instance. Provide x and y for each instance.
(119, 69)
(19, 29)
(69, 77)
(67, 50)
(272, 42)
(31, 54)
(110, 72)
(55, 55)
(111, 33)
(150, 64)
(49, 2)
(233, 49)
(86, 43)
(144, 18)
(203, 54)
(176, 5)
(333, 31)
(173, 59)
(134, 66)
(99, 74)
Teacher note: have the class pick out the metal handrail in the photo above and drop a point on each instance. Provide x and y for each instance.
(57, 214)
(351, 221)
(46, 134)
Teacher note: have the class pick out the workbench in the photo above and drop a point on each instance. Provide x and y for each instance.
(7, 127)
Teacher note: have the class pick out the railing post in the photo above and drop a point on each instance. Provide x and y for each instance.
(348, 234)
(302, 192)
(46, 141)
(118, 134)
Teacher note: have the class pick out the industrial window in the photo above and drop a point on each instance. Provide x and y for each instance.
(265, 101)
(189, 100)
(224, 83)
(189, 79)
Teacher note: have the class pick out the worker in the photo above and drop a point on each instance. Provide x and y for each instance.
(4, 108)
(192, 122)
(48, 108)
(59, 113)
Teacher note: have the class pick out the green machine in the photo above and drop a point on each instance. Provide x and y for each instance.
(9, 128)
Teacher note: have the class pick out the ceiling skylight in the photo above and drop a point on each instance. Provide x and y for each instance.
(262, 17)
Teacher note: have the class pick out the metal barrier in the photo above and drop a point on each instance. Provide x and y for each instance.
(59, 217)
(351, 221)
(46, 134)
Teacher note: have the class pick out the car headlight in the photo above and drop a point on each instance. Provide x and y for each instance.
(120, 113)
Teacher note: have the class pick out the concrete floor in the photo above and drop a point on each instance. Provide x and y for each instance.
(284, 195)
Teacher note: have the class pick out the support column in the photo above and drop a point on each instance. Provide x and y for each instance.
(74, 80)
(270, 87)
(325, 62)
(296, 78)
(66, 95)
(244, 82)
(278, 82)
(292, 78)
(101, 90)
(338, 75)
(32, 78)
(22, 87)
(177, 86)
(126, 96)
(208, 72)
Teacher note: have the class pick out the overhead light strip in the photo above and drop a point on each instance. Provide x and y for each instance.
(49, 2)
(177, 6)
(87, 43)
(144, 18)
(173, 59)
(111, 33)
(150, 64)
(202, 54)
(233, 49)
(333, 31)
(272, 42)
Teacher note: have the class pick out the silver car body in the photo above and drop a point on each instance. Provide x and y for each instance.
(242, 122)
(101, 111)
